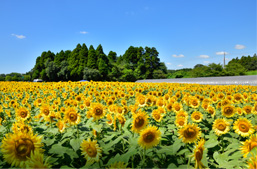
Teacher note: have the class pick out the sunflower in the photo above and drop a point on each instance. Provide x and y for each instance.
(118, 164)
(98, 111)
(248, 145)
(194, 102)
(45, 111)
(121, 119)
(237, 97)
(140, 120)
(181, 122)
(157, 115)
(72, 116)
(160, 102)
(189, 133)
(252, 163)
(198, 154)
(91, 150)
(211, 110)
(20, 126)
(220, 126)
(141, 100)
(243, 127)
(36, 160)
(228, 111)
(255, 108)
(61, 125)
(197, 116)
(205, 105)
(109, 119)
(17, 147)
(177, 107)
(239, 111)
(182, 114)
(169, 106)
(22, 113)
(149, 137)
(247, 109)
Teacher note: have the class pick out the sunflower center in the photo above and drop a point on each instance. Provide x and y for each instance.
(87, 104)
(252, 145)
(194, 103)
(221, 127)
(199, 155)
(139, 122)
(23, 114)
(91, 151)
(177, 108)
(228, 111)
(181, 123)
(148, 137)
(23, 147)
(157, 116)
(248, 111)
(141, 101)
(98, 112)
(169, 107)
(73, 117)
(190, 133)
(46, 112)
(243, 127)
(196, 117)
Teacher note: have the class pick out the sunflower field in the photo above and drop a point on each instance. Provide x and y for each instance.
(127, 125)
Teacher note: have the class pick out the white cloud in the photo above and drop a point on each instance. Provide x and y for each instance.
(169, 63)
(204, 56)
(178, 56)
(19, 36)
(180, 65)
(206, 62)
(239, 46)
(221, 53)
(83, 32)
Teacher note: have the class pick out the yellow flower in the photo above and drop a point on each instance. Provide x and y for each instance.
(189, 133)
(149, 137)
(36, 160)
(140, 120)
(243, 127)
(228, 111)
(91, 150)
(98, 111)
(157, 115)
(197, 116)
(220, 126)
(181, 122)
(198, 154)
(61, 125)
(252, 163)
(72, 116)
(109, 119)
(194, 102)
(247, 109)
(118, 164)
(177, 107)
(22, 113)
(248, 145)
(17, 147)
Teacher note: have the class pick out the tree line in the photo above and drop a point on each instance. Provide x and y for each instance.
(93, 64)
(136, 63)
(235, 67)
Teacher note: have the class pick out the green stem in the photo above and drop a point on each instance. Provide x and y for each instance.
(189, 160)
(77, 130)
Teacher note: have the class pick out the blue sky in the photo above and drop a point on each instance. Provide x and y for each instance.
(184, 32)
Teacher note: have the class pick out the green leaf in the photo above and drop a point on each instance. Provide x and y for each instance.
(176, 145)
(168, 150)
(111, 143)
(48, 142)
(211, 143)
(172, 165)
(183, 151)
(125, 157)
(97, 128)
(68, 133)
(58, 149)
(75, 143)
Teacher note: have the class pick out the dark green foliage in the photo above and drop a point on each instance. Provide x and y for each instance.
(235, 69)
(92, 58)
(92, 74)
(159, 74)
(248, 62)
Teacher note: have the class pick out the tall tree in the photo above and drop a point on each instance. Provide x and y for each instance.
(92, 59)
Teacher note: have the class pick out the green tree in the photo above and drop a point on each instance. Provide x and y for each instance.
(235, 69)
(92, 59)
(103, 68)
(91, 74)
(159, 74)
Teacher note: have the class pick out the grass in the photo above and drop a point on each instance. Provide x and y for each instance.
(254, 72)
